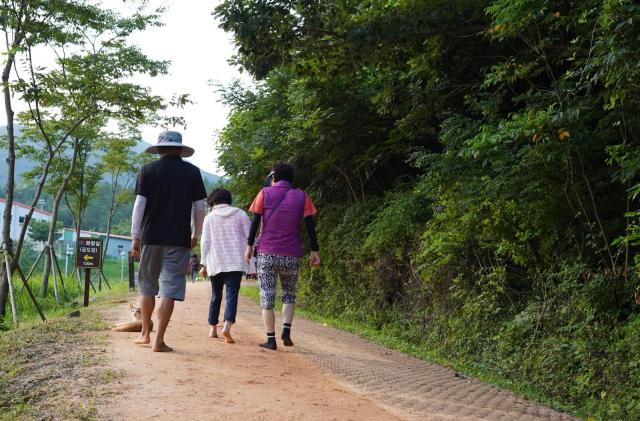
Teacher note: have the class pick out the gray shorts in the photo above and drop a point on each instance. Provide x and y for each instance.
(162, 271)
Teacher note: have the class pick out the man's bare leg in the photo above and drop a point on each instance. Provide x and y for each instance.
(165, 309)
(147, 304)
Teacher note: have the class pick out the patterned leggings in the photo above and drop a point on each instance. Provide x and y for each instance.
(270, 265)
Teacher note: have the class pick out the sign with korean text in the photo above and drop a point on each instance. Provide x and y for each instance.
(88, 252)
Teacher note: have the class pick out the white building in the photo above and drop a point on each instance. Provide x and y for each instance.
(18, 212)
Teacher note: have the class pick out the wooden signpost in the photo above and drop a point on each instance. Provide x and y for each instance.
(88, 256)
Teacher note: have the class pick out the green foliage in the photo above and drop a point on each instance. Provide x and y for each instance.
(394, 227)
(32, 390)
(71, 101)
(69, 296)
(476, 166)
(39, 230)
(123, 227)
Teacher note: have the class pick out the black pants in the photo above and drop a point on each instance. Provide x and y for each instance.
(232, 281)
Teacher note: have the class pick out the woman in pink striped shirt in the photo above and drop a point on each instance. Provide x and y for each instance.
(224, 235)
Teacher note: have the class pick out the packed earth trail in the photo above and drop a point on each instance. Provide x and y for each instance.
(327, 375)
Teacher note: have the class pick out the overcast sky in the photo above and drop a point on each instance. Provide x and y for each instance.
(198, 51)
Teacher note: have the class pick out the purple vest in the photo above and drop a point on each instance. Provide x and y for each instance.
(280, 231)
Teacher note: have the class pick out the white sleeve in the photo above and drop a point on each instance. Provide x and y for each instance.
(197, 217)
(136, 217)
(205, 242)
(246, 226)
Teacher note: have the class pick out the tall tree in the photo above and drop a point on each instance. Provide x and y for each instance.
(88, 83)
(90, 86)
(478, 169)
(39, 231)
(84, 182)
(120, 163)
(16, 19)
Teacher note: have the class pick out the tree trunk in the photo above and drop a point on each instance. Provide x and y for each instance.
(80, 198)
(106, 240)
(34, 203)
(54, 218)
(11, 167)
(112, 211)
(76, 226)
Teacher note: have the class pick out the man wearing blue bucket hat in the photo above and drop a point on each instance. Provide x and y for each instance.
(170, 198)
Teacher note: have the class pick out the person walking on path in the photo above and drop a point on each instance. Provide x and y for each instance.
(169, 199)
(224, 234)
(194, 266)
(279, 209)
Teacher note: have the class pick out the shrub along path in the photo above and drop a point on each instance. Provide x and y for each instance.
(328, 374)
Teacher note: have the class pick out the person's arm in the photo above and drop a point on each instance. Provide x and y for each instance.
(253, 229)
(246, 230)
(142, 191)
(245, 225)
(310, 223)
(257, 208)
(198, 197)
(314, 257)
(251, 238)
(197, 218)
(205, 244)
(136, 223)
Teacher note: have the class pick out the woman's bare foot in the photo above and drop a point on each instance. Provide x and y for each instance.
(162, 348)
(226, 331)
(142, 340)
(213, 332)
(227, 336)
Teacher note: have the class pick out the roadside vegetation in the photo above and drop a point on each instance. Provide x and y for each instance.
(55, 369)
(69, 297)
(73, 117)
(476, 166)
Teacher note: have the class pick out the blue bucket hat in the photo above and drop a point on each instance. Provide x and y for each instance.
(171, 139)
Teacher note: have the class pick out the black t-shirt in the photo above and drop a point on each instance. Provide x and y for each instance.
(170, 186)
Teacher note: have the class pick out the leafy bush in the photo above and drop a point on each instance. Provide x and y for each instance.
(476, 166)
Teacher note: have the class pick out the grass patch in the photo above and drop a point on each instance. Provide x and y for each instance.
(55, 370)
(50, 370)
(70, 296)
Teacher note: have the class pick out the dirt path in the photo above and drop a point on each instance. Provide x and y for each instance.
(329, 374)
(206, 379)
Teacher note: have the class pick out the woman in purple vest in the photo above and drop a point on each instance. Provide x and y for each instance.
(278, 211)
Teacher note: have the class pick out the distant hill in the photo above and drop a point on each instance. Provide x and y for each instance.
(23, 165)
(94, 218)
(210, 179)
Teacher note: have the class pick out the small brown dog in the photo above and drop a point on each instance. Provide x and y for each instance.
(135, 325)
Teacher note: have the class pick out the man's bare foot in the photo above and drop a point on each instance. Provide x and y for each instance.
(227, 336)
(142, 340)
(213, 332)
(162, 348)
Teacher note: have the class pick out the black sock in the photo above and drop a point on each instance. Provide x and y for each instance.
(286, 335)
(271, 341)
